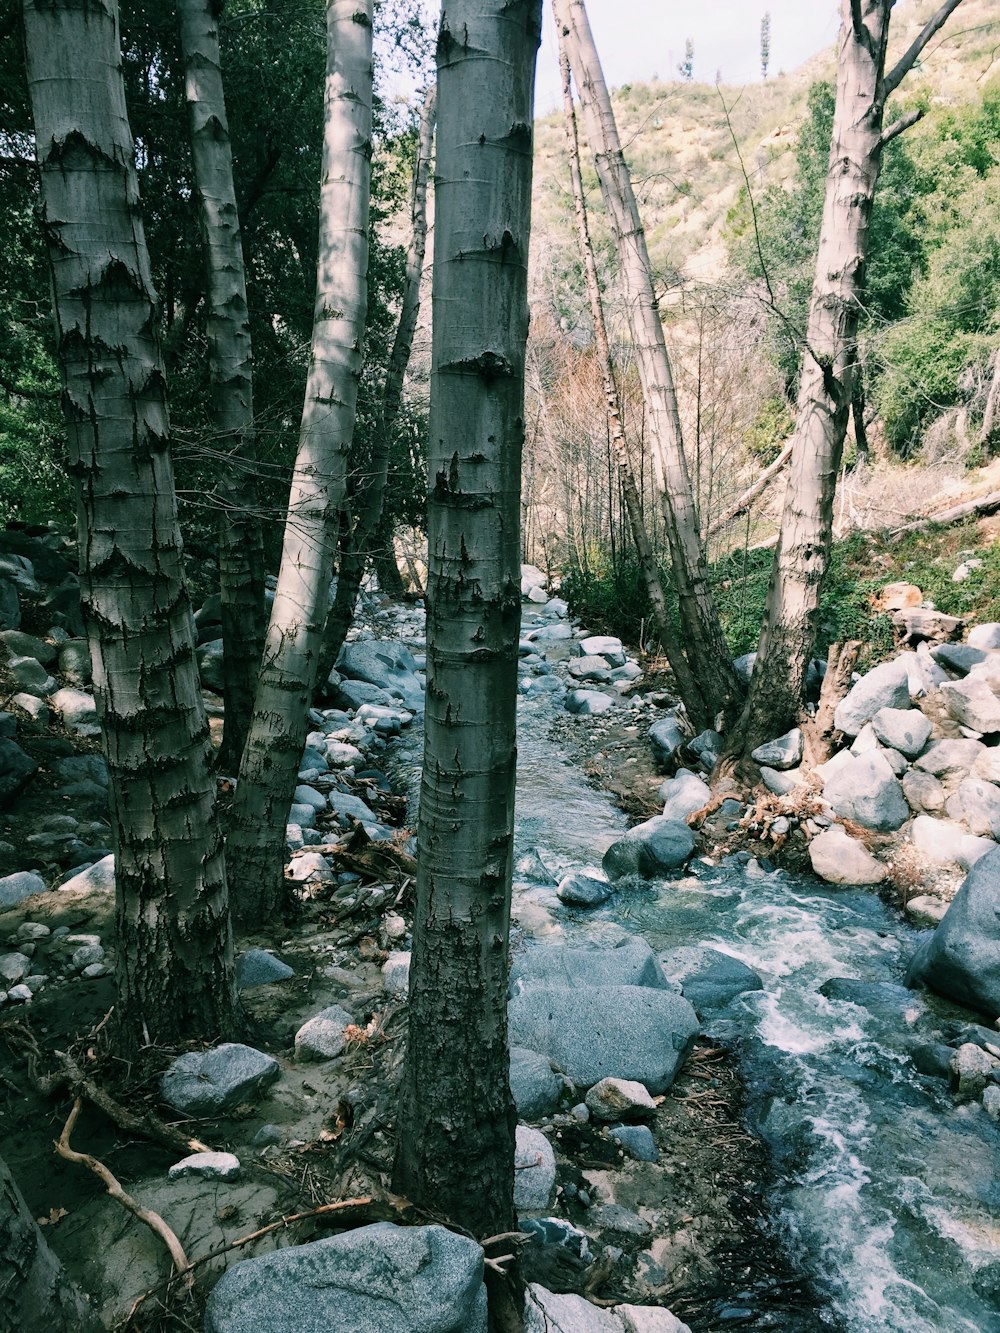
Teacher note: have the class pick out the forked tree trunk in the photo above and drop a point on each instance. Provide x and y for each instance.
(703, 637)
(826, 383)
(241, 549)
(356, 541)
(256, 845)
(686, 683)
(455, 1135)
(36, 1296)
(174, 944)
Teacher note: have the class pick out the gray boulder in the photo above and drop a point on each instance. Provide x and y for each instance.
(76, 708)
(632, 963)
(866, 791)
(886, 686)
(603, 646)
(535, 1085)
(534, 1170)
(958, 657)
(376, 1279)
(652, 848)
(972, 704)
(923, 792)
(595, 1032)
(587, 703)
(980, 802)
(211, 665)
(683, 795)
(710, 979)
(29, 675)
(578, 889)
(203, 1083)
(355, 694)
(783, 753)
(780, 783)
(962, 958)
(943, 759)
(16, 768)
(257, 967)
(590, 668)
(322, 1037)
(838, 858)
(902, 729)
(666, 737)
(13, 888)
(98, 878)
(637, 1140)
(389, 665)
(27, 645)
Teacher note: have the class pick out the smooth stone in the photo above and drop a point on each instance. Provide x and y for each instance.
(708, 978)
(205, 1083)
(257, 967)
(780, 783)
(534, 1170)
(947, 757)
(19, 644)
(925, 907)
(386, 663)
(637, 1140)
(310, 868)
(904, 729)
(666, 737)
(650, 849)
(589, 668)
(630, 963)
(22, 884)
(962, 957)
(838, 858)
(304, 795)
(619, 1099)
(29, 675)
(604, 646)
(211, 1165)
(945, 843)
(580, 889)
(347, 807)
(14, 967)
(587, 703)
(783, 753)
(536, 1087)
(683, 794)
(868, 793)
(322, 1036)
(98, 878)
(376, 1279)
(923, 792)
(886, 686)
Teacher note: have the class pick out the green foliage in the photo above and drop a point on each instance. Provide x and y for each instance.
(769, 430)
(610, 596)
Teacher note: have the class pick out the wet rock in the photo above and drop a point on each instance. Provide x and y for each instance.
(666, 737)
(780, 754)
(709, 979)
(838, 858)
(375, 1279)
(257, 967)
(16, 768)
(945, 843)
(322, 1037)
(637, 1140)
(536, 1087)
(595, 1032)
(883, 998)
(971, 1068)
(211, 1165)
(683, 795)
(904, 729)
(13, 888)
(203, 1083)
(580, 889)
(619, 1099)
(886, 686)
(973, 704)
(947, 758)
(534, 1170)
(962, 958)
(631, 963)
(587, 703)
(650, 849)
(867, 792)
(932, 1058)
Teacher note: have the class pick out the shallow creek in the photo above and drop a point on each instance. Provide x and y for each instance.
(885, 1190)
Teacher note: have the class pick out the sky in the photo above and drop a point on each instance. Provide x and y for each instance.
(637, 39)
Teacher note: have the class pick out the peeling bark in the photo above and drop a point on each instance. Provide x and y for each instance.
(455, 1137)
(256, 846)
(175, 953)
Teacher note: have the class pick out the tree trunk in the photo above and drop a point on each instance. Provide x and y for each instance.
(826, 383)
(455, 1136)
(384, 560)
(686, 682)
(991, 414)
(175, 951)
(36, 1296)
(241, 549)
(703, 637)
(356, 540)
(256, 847)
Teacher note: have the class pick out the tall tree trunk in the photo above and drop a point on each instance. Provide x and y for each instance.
(991, 415)
(826, 382)
(455, 1138)
(36, 1296)
(356, 539)
(256, 845)
(241, 548)
(686, 682)
(175, 952)
(703, 637)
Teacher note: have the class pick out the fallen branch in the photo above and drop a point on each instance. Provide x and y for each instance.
(741, 505)
(987, 504)
(365, 1202)
(153, 1220)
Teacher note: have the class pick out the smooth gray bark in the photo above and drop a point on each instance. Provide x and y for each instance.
(455, 1135)
(241, 548)
(256, 845)
(174, 969)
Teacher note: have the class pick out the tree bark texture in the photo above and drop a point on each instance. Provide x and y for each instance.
(357, 537)
(241, 549)
(36, 1296)
(175, 952)
(455, 1139)
(256, 847)
(991, 415)
(703, 637)
(828, 369)
(686, 682)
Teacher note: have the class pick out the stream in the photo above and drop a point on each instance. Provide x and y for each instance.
(886, 1191)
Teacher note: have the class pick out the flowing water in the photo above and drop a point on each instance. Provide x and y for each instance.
(886, 1191)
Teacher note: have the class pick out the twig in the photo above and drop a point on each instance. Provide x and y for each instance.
(341, 1205)
(153, 1220)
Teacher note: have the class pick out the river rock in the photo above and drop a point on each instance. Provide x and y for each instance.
(595, 1032)
(710, 979)
(780, 783)
(589, 668)
(210, 1165)
(885, 999)
(631, 963)
(619, 1099)
(536, 1087)
(945, 843)
(16, 768)
(203, 1083)
(534, 1170)
(683, 795)
(867, 792)
(980, 806)
(531, 577)
(971, 1068)
(781, 754)
(375, 1279)
(838, 858)
(924, 793)
(22, 884)
(27, 645)
(396, 972)
(925, 907)
(29, 675)
(347, 807)
(637, 1140)
(549, 1312)
(962, 958)
(972, 704)
(76, 708)
(984, 636)
(946, 758)
(322, 1037)
(580, 889)
(605, 647)
(650, 849)
(98, 878)
(885, 686)
(14, 967)
(389, 665)
(257, 967)
(904, 729)
(666, 737)
(959, 658)
(587, 703)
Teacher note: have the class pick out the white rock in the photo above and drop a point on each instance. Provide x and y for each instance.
(322, 1036)
(213, 1165)
(396, 972)
(946, 843)
(534, 1170)
(310, 868)
(838, 859)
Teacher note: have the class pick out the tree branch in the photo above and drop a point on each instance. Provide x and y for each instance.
(857, 23)
(741, 505)
(899, 127)
(909, 57)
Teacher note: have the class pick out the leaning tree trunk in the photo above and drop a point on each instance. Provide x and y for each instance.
(455, 1138)
(652, 578)
(826, 382)
(241, 548)
(357, 538)
(256, 845)
(36, 1296)
(703, 637)
(174, 943)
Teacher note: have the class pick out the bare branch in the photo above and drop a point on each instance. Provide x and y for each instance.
(741, 505)
(746, 181)
(906, 62)
(857, 23)
(899, 127)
